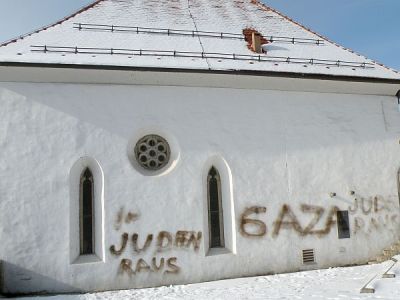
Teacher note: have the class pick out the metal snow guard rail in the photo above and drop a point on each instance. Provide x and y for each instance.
(193, 33)
(203, 55)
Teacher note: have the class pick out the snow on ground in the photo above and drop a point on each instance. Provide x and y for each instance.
(334, 283)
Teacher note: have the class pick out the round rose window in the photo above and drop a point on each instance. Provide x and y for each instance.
(152, 152)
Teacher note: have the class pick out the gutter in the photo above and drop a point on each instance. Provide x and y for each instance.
(204, 71)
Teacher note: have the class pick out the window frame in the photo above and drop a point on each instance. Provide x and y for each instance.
(83, 177)
(220, 209)
(343, 215)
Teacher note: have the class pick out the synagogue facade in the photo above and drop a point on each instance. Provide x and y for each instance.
(150, 143)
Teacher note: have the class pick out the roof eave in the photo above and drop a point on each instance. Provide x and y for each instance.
(239, 79)
(205, 71)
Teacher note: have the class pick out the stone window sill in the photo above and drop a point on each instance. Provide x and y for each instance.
(218, 251)
(87, 259)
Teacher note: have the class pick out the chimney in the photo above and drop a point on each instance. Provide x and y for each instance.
(256, 42)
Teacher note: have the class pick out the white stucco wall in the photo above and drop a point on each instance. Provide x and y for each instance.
(275, 148)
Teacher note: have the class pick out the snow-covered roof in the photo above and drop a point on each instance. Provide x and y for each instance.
(188, 34)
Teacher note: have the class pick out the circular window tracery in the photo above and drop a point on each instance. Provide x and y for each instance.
(152, 152)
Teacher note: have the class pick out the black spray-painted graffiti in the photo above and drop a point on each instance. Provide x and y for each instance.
(259, 227)
(376, 212)
(171, 267)
(163, 242)
(127, 218)
(287, 219)
(373, 213)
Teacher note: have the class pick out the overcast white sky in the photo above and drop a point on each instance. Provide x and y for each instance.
(370, 27)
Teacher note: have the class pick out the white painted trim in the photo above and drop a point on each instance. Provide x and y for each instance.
(158, 78)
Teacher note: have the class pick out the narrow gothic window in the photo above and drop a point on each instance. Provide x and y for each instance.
(215, 216)
(86, 211)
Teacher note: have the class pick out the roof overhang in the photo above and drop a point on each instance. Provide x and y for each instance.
(242, 79)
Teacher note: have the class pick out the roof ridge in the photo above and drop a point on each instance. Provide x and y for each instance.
(81, 10)
(266, 7)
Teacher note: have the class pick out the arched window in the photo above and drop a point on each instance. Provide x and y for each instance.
(86, 212)
(215, 216)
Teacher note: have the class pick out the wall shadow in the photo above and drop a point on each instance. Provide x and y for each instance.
(18, 281)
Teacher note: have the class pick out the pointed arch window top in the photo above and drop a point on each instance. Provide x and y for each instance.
(213, 172)
(87, 174)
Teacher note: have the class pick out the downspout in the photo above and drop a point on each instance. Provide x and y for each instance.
(398, 99)
(1, 279)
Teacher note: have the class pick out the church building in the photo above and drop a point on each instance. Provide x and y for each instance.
(156, 142)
